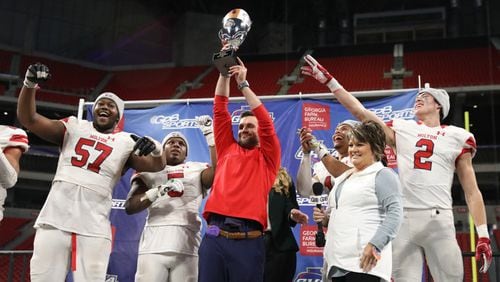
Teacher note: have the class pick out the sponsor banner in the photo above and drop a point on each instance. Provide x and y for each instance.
(307, 241)
(321, 116)
(316, 116)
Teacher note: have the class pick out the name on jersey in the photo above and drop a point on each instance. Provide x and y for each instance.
(101, 138)
(427, 136)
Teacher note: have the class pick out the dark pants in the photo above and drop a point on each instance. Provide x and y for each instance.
(357, 277)
(280, 266)
(228, 260)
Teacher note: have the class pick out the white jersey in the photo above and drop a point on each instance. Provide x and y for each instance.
(176, 218)
(89, 166)
(10, 137)
(426, 158)
(13, 137)
(324, 177)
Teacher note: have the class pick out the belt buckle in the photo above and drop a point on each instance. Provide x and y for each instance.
(213, 230)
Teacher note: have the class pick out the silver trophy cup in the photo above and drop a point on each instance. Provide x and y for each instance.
(235, 26)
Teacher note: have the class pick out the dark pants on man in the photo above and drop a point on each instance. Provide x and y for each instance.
(227, 260)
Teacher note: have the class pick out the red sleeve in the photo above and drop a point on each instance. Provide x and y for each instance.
(65, 122)
(470, 147)
(19, 138)
(269, 142)
(18, 141)
(223, 130)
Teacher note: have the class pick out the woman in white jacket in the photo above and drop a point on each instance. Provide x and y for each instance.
(364, 210)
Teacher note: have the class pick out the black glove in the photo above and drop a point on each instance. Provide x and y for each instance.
(145, 146)
(36, 73)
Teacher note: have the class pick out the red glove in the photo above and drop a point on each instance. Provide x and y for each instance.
(483, 250)
(317, 71)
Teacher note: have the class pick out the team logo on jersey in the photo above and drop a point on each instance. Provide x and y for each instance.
(387, 113)
(173, 121)
(311, 274)
(235, 116)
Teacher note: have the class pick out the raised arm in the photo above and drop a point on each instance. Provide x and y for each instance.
(304, 176)
(48, 129)
(240, 75)
(205, 124)
(334, 166)
(351, 103)
(222, 86)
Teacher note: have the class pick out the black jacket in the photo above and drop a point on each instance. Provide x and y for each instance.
(279, 215)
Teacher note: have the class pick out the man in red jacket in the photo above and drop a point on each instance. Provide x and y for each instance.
(233, 246)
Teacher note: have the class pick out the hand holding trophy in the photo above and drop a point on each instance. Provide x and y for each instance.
(235, 26)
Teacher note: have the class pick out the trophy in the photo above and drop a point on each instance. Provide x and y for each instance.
(235, 26)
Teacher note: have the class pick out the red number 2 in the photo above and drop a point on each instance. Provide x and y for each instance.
(427, 149)
(84, 154)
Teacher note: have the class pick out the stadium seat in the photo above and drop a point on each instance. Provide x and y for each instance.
(160, 83)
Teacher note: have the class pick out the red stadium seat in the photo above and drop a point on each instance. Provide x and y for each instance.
(152, 83)
(263, 76)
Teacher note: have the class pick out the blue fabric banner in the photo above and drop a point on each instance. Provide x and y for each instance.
(321, 116)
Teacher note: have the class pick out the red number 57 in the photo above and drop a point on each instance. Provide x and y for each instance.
(82, 150)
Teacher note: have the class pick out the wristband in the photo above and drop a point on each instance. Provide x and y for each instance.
(482, 231)
(333, 84)
(243, 84)
(151, 195)
(210, 139)
(321, 151)
(29, 84)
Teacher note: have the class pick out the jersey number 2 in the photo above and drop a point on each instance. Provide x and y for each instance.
(426, 150)
(83, 153)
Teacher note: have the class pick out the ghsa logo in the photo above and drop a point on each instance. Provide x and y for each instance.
(235, 115)
(312, 274)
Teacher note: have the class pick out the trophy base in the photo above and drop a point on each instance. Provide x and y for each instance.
(223, 60)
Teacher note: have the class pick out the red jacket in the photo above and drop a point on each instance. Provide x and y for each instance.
(243, 177)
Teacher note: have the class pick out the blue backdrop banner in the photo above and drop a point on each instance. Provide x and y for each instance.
(321, 116)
